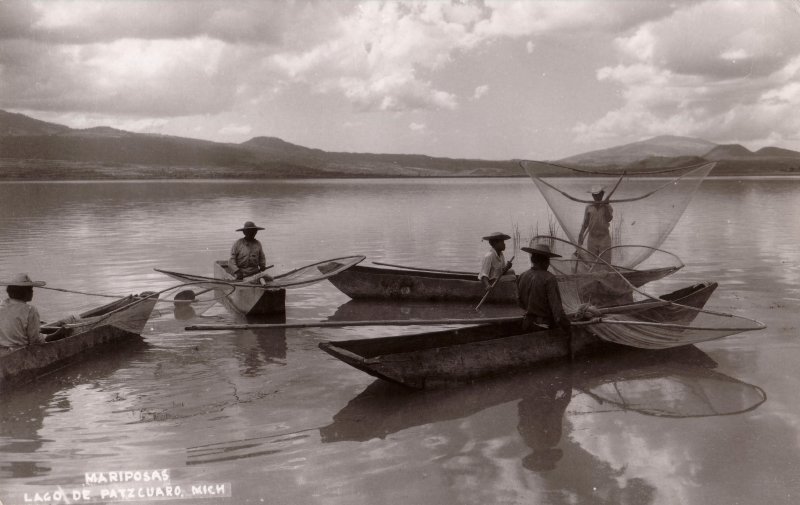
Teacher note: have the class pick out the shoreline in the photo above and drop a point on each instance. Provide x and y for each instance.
(18, 180)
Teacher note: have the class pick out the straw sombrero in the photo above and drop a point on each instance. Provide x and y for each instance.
(22, 280)
(249, 225)
(497, 236)
(541, 250)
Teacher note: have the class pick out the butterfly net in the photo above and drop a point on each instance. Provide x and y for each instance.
(633, 209)
(315, 272)
(296, 278)
(129, 313)
(625, 314)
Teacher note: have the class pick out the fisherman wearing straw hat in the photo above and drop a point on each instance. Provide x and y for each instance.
(537, 291)
(595, 227)
(19, 321)
(494, 263)
(247, 255)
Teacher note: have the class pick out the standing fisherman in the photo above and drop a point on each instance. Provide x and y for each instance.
(247, 255)
(537, 291)
(494, 263)
(595, 227)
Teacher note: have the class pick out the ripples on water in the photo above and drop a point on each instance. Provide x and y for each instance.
(280, 420)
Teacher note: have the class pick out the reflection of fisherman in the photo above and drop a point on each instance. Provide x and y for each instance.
(247, 255)
(494, 263)
(537, 292)
(541, 415)
(595, 227)
(20, 325)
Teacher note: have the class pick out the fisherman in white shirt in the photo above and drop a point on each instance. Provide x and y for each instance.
(19, 322)
(494, 263)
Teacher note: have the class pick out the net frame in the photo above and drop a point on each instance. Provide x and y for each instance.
(639, 327)
(666, 200)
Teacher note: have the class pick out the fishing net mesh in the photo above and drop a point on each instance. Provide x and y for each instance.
(625, 314)
(642, 209)
(310, 274)
(130, 314)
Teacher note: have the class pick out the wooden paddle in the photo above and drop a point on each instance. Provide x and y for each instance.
(486, 295)
(335, 324)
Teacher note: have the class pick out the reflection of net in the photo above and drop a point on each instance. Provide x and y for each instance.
(310, 274)
(690, 392)
(645, 209)
(655, 323)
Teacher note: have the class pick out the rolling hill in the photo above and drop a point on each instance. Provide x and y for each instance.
(34, 149)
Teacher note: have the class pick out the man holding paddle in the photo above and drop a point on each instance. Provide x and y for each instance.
(494, 263)
(537, 290)
(247, 255)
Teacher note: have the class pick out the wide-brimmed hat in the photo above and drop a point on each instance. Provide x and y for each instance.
(496, 236)
(596, 189)
(21, 280)
(540, 250)
(249, 225)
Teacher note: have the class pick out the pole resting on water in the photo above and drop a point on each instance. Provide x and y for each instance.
(419, 322)
(335, 324)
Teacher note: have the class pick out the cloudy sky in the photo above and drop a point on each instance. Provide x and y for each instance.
(539, 79)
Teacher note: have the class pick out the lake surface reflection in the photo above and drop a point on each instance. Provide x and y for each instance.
(282, 422)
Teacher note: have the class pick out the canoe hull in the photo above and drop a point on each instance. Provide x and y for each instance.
(255, 301)
(459, 355)
(126, 324)
(362, 282)
(464, 362)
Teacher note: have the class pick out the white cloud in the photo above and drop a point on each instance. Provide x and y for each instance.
(235, 130)
(380, 41)
(417, 127)
(707, 71)
(480, 91)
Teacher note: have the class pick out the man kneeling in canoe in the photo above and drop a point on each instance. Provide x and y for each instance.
(247, 255)
(19, 322)
(537, 291)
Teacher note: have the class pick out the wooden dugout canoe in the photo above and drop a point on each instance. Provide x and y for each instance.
(118, 321)
(363, 282)
(429, 359)
(251, 301)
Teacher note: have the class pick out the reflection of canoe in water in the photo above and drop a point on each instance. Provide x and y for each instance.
(432, 358)
(117, 321)
(409, 284)
(383, 409)
(252, 296)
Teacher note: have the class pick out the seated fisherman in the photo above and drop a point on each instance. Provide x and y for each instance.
(20, 325)
(494, 263)
(537, 292)
(247, 255)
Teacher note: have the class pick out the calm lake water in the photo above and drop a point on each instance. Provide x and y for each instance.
(280, 422)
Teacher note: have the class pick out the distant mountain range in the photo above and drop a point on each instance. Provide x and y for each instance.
(33, 149)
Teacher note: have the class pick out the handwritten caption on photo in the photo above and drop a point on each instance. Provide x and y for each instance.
(126, 485)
